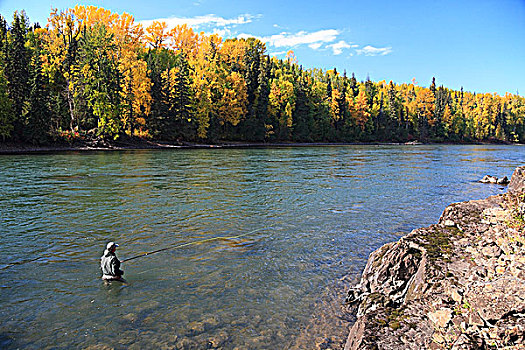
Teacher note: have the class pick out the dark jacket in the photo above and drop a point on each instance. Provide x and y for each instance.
(110, 265)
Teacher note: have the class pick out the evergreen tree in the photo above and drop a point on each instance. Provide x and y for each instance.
(433, 86)
(4, 44)
(183, 102)
(256, 127)
(353, 85)
(17, 71)
(6, 113)
(329, 88)
(38, 116)
(302, 118)
(158, 107)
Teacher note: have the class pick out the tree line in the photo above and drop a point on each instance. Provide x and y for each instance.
(94, 74)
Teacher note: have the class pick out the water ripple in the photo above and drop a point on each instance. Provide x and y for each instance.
(317, 213)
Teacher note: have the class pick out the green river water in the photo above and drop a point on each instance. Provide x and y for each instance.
(315, 214)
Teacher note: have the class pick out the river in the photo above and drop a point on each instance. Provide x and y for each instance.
(309, 217)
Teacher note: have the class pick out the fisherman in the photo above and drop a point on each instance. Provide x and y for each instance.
(110, 264)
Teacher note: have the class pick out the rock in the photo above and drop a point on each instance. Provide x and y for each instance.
(185, 343)
(131, 317)
(195, 328)
(322, 343)
(438, 338)
(449, 223)
(463, 342)
(495, 299)
(488, 179)
(453, 292)
(475, 320)
(218, 341)
(99, 347)
(440, 317)
(500, 269)
(492, 251)
(455, 285)
(503, 181)
(517, 181)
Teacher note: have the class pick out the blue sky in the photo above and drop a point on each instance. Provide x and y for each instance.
(479, 45)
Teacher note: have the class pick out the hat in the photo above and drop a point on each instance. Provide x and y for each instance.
(111, 245)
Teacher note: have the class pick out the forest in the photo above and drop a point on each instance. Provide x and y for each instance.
(93, 74)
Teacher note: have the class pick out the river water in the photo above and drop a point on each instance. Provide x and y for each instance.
(309, 215)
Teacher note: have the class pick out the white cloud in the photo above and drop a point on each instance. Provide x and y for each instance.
(246, 36)
(285, 39)
(277, 53)
(315, 46)
(338, 47)
(222, 32)
(201, 21)
(374, 51)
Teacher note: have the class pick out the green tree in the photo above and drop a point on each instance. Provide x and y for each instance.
(302, 118)
(38, 117)
(179, 123)
(17, 72)
(98, 78)
(6, 112)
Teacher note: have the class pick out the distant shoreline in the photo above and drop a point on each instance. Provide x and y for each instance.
(24, 148)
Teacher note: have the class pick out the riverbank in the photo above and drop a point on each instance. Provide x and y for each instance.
(457, 284)
(141, 144)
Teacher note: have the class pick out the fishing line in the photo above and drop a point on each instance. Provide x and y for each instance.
(9, 265)
(195, 243)
(20, 263)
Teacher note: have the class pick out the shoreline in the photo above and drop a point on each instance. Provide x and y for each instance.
(455, 284)
(23, 148)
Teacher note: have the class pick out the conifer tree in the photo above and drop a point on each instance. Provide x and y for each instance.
(6, 113)
(256, 128)
(302, 118)
(353, 85)
(38, 119)
(17, 72)
(183, 101)
(38, 116)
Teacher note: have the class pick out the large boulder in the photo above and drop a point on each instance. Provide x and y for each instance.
(454, 285)
(517, 182)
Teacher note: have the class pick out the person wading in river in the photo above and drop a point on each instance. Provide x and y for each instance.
(110, 264)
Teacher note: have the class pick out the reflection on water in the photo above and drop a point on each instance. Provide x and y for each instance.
(313, 214)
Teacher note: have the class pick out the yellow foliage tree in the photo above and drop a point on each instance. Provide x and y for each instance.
(361, 112)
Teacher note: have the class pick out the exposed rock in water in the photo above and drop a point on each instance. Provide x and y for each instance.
(489, 179)
(458, 284)
(503, 181)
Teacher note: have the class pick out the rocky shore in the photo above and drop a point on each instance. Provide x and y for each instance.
(458, 284)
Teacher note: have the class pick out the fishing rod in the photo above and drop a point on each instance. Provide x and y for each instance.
(9, 265)
(194, 243)
(20, 263)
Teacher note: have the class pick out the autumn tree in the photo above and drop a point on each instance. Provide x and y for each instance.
(92, 70)
(60, 49)
(361, 114)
